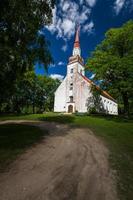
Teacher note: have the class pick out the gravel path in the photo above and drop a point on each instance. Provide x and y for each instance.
(69, 164)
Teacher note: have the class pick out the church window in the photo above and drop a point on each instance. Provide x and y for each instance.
(71, 76)
(71, 99)
(71, 86)
(72, 70)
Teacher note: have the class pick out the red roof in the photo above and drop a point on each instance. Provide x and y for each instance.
(104, 93)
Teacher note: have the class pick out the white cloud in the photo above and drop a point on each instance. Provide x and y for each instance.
(67, 14)
(118, 5)
(52, 65)
(88, 27)
(91, 3)
(81, 2)
(57, 76)
(92, 76)
(68, 27)
(65, 6)
(61, 63)
(55, 64)
(84, 15)
(40, 32)
(64, 47)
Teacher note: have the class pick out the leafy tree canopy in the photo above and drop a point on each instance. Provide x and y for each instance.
(31, 93)
(112, 62)
(21, 45)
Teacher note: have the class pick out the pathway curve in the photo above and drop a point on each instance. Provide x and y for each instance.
(69, 164)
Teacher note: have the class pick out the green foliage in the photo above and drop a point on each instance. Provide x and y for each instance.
(94, 103)
(93, 110)
(21, 44)
(112, 62)
(32, 93)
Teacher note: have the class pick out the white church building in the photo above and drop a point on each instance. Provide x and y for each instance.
(75, 91)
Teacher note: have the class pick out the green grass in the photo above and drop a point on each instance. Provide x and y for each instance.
(25, 117)
(119, 138)
(116, 132)
(14, 140)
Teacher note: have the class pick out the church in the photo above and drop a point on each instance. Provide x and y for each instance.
(74, 92)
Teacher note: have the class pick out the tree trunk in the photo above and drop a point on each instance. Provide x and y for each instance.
(126, 103)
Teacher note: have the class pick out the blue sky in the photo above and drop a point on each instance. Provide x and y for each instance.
(95, 18)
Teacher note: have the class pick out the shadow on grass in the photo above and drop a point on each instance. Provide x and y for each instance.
(119, 118)
(15, 139)
(65, 119)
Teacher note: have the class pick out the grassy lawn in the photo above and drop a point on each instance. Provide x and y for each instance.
(119, 137)
(14, 140)
(116, 132)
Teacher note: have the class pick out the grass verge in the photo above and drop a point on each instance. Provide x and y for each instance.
(14, 140)
(118, 135)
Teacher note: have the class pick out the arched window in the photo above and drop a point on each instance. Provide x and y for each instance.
(71, 99)
(71, 71)
(71, 86)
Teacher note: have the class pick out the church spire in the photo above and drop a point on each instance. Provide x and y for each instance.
(76, 49)
(76, 43)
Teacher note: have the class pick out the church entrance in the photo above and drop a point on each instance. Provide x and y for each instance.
(70, 109)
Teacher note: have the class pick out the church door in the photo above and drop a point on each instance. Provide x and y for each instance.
(70, 109)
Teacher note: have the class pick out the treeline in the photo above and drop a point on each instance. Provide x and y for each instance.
(31, 94)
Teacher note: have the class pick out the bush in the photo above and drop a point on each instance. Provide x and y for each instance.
(92, 110)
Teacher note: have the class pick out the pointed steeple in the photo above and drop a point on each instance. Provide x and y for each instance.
(76, 43)
(76, 49)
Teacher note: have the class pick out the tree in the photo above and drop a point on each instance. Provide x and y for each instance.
(21, 45)
(49, 85)
(94, 103)
(112, 63)
(31, 93)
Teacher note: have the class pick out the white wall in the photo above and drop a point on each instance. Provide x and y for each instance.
(60, 98)
(81, 92)
(110, 106)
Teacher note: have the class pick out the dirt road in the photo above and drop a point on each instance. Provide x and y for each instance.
(69, 164)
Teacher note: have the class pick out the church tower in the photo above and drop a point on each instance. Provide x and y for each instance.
(74, 68)
(76, 62)
(73, 93)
